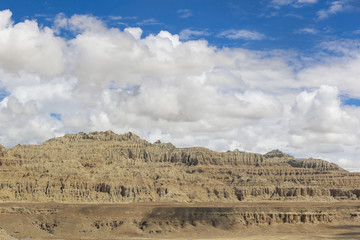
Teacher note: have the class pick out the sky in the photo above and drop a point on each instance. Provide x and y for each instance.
(248, 75)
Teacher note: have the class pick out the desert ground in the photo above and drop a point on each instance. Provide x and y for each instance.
(246, 220)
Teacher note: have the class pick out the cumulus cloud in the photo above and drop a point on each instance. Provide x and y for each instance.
(242, 34)
(321, 120)
(161, 86)
(24, 46)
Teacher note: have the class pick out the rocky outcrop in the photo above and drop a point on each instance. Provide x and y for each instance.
(2, 151)
(102, 167)
(277, 154)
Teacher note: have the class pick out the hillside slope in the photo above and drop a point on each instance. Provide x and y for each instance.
(104, 167)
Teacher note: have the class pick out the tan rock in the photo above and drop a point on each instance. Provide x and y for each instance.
(102, 167)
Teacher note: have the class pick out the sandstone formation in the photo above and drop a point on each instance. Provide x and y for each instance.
(103, 185)
(104, 167)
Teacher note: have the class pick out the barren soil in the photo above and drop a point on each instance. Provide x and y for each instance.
(269, 220)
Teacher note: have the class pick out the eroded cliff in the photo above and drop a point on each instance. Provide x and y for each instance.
(106, 167)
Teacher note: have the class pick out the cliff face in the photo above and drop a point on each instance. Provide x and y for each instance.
(106, 167)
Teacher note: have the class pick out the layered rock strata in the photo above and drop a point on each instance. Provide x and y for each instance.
(104, 167)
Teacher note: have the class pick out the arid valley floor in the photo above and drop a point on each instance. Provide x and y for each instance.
(180, 221)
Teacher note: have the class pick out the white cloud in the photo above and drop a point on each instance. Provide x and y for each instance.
(294, 15)
(307, 1)
(116, 18)
(79, 23)
(187, 92)
(281, 2)
(135, 32)
(294, 3)
(307, 30)
(319, 113)
(344, 46)
(348, 164)
(187, 34)
(334, 8)
(150, 21)
(341, 72)
(25, 46)
(184, 13)
(5, 20)
(242, 34)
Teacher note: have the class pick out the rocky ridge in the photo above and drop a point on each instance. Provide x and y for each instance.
(104, 167)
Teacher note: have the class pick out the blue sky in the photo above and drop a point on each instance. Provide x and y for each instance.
(247, 75)
(281, 24)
